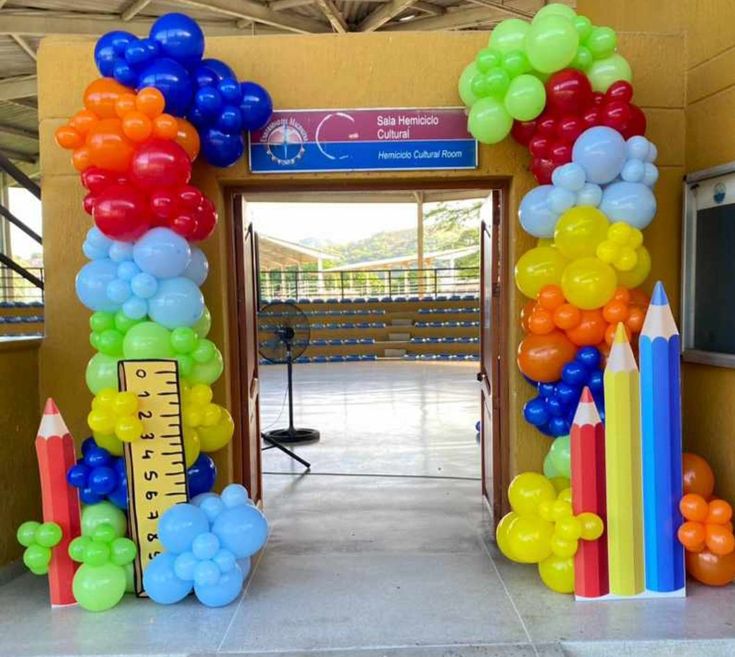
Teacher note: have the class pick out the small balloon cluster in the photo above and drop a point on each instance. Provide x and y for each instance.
(99, 475)
(38, 539)
(207, 544)
(558, 460)
(552, 410)
(204, 90)
(506, 80)
(542, 529)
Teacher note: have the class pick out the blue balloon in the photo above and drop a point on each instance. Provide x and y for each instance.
(162, 253)
(225, 560)
(102, 481)
(77, 475)
(177, 302)
(230, 119)
(574, 373)
(589, 357)
(535, 214)
(560, 199)
(88, 444)
(242, 530)
(198, 267)
(87, 496)
(555, 407)
(558, 426)
(205, 546)
(569, 176)
(209, 102)
(124, 73)
(180, 525)
(140, 52)
(256, 106)
(119, 497)
(201, 475)
(110, 47)
(91, 285)
(235, 495)
(172, 80)
(535, 412)
(212, 71)
(144, 285)
(185, 565)
(547, 389)
(160, 581)
(118, 291)
(135, 308)
(595, 382)
(230, 90)
(97, 457)
(225, 591)
(212, 507)
(567, 394)
(601, 152)
(633, 203)
(221, 149)
(127, 270)
(206, 573)
(179, 38)
(590, 194)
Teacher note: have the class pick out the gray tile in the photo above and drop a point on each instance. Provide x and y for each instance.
(706, 648)
(337, 602)
(494, 650)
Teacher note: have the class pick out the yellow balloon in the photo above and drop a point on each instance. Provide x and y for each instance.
(560, 483)
(589, 283)
(545, 241)
(558, 573)
(565, 494)
(528, 490)
(191, 415)
(529, 539)
(537, 268)
(109, 442)
(579, 231)
(215, 437)
(592, 526)
(211, 414)
(104, 399)
(639, 273)
(563, 547)
(627, 259)
(126, 403)
(101, 420)
(192, 445)
(568, 528)
(545, 510)
(561, 509)
(501, 534)
(128, 428)
(201, 394)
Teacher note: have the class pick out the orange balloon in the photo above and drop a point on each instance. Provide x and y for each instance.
(590, 330)
(540, 322)
(166, 126)
(636, 317)
(188, 138)
(125, 104)
(720, 512)
(83, 121)
(615, 311)
(150, 101)
(542, 357)
(694, 507)
(526, 311)
(68, 137)
(711, 569)
(101, 95)
(719, 540)
(567, 316)
(622, 294)
(692, 536)
(698, 476)
(638, 297)
(108, 146)
(604, 349)
(551, 297)
(137, 126)
(81, 158)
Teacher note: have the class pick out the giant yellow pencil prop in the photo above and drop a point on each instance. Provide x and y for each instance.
(623, 469)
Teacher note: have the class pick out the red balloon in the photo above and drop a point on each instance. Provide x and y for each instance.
(190, 196)
(546, 124)
(568, 92)
(121, 213)
(560, 153)
(96, 179)
(89, 201)
(539, 146)
(620, 90)
(569, 128)
(522, 131)
(163, 204)
(592, 116)
(542, 168)
(637, 123)
(616, 114)
(160, 163)
(198, 223)
(598, 98)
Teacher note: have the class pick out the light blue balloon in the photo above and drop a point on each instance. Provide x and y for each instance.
(177, 302)
(206, 573)
(92, 252)
(225, 561)
(205, 546)
(198, 268)
(560, 199)
(98, 239)
(570, 176)
(184, 566)
(536, 216)
(652, 152)
(242, 530)
(197, 501)
(121, 251)
(637, 148)
(160, 581)
(162, 253)
(212, 506)
(118, 291)
(225, 591)
(633, 171)
(235, 495)
(633, 203)
(650, 174)
(180, 525)
(144, 285)
(135, 308)
(91, 285)
(127, 269)
(601, 152)
(590, 194)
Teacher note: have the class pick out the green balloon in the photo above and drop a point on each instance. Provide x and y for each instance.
(464, 86)
(555, 9)
(497, 82)
(78, 547)
(204, 351)
(602, 42)
(209, 372)
(583, 25)
(123, 323)
(486, 59)
(526, 98)
(183, 340)
(48, 534)
(129, 578)
(122, 551)
(94, 515)
(509, 35)
(583, 59)
(26, 533)
(186, 363)
(147, 340)
(516, 63)
(204, 323)
(109, 342)
(96, 553)
(489, 121)
(97, 588)
(37, 558)
(559, 458)
(551, 43)
(104, 533)
(101, 321)
(101, 373)
(603, 72)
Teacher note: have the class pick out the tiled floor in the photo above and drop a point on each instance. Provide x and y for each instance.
(382, 551)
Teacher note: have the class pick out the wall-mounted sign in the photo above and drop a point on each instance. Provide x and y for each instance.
(363, 140)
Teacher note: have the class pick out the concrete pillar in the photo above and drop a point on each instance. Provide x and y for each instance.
(420, 240)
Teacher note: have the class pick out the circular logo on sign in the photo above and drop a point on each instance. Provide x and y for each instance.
(284, 141)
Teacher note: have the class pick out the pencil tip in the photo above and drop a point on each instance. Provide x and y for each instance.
(659, 297)
(621, 335)
(50, 408)
(586, 397)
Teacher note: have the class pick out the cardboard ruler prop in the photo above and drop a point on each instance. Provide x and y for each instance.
(155, 464)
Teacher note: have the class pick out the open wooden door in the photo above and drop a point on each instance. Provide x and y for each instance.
(491, 376)
(244, 340)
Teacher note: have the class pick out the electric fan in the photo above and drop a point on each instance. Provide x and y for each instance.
(283, 334)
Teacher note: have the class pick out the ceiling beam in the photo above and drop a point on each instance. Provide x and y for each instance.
(24, 46)
(280, 5)
(429, 8)
(451, 20)
(14, 131)
(334, 15)
(18, 87)
(503, 8)
(383, 14)
(2, 3)
(133, 9)
(30, 158)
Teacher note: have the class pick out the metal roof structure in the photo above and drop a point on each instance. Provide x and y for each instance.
(274, 252)
(23, 23)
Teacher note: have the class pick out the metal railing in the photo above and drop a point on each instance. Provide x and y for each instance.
(276, 284)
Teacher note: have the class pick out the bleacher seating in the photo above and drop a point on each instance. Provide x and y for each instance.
(21, 319)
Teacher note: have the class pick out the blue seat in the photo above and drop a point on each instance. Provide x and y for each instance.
(399, 299)
(373, 300)
(414, 299)
(386, 299)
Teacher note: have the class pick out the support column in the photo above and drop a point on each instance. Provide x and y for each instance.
(6, 282)
(420, 241)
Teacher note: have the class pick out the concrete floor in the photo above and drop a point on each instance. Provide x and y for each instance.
(383, 550)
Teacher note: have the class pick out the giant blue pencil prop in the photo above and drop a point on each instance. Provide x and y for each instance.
(660, 349)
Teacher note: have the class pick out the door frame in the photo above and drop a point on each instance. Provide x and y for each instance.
(235, 280)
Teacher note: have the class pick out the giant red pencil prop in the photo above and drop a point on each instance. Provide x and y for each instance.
(588, 495)
(55, 451)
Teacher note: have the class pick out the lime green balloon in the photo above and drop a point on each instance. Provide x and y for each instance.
(464, 86)
(101, 373)
(97, 588)
(210, 371)
(486, 59)
(558, 459)
(204, 351)
(603, 72)
(516, 63)
(583, 59)
(122, 551)
(555, 9)
(602, 42)
(509, 35)
(48, 534)
(123, 323)
(147, 340)
(183, 339)
(104, 533)
(495, 83)
(526, 98)
(109, 342)
(94, 515)
(37, 558)
(78, 547)
(489, 121)
(583, 25)
(96, 553)
(551, 43)
(129, 578)
(186, 363)
(101, 321)
(26, 533)
(203, 324)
